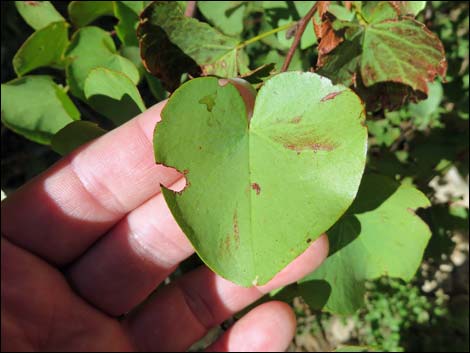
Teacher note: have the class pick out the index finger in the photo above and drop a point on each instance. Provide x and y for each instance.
(64, 210)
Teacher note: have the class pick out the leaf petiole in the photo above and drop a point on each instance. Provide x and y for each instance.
(266, 34)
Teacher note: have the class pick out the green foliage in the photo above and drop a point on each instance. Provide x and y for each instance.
(74, 135)
(168, 50)
(44, 47)
(38, 14)
(90, 48)
(85, 62)
(127, 12)
(82, 13)
(227, 16)
(371, 234)
(36, 107)
(113, 94)
(393, 307)
(240, 219)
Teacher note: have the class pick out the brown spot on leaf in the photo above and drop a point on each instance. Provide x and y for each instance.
(227, 243)
(236, 230)
(330, 96)
(32, 3)
(256, 187)
(304, 140)
(186, 171)
(313, 146)
(296, 120)
(309, 240)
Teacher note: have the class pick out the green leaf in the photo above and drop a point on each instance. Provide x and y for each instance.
(260, 191)
(82, 13)
(308, 37)
(379, 235)
(74, 135)
(133, 54)
(227, 16)
(36, 107)
(378, 11)
(426, 113)
(38, 14)
(412, 8)
(277, 14)
(128, 14)
(113, 94)
(273, 56)
(281, 13)
(168, 51)
(91, 47)
(44, 47)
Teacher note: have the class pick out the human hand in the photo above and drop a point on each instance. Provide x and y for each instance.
(91, 238)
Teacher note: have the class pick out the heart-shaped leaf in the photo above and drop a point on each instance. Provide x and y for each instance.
(259, 191)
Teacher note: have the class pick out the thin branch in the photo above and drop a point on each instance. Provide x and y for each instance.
(265, 34)
(301, 25)
(190, 9)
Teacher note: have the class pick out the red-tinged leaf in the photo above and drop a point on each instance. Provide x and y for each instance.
(402, 51)
(388, 62)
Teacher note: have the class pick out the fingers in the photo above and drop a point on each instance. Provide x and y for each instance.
(269, 327)
(63, 211)
(201, 300)
(41, 313)
(127, 264)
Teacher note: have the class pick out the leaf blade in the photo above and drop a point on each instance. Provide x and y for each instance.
(44, 47)
(47, 111)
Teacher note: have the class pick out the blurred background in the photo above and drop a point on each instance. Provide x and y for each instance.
(432, 312)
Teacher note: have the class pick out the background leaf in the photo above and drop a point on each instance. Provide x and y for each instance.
(82, 13)
(91, 47)
(227, 16)
(388, 61)
(379, 235)
(402, 51)
(412, 8)
(36, 107)
(44, 47)
(113, 94)
(38, 14)
(74, 135)
(128, 14)
(168, 52)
